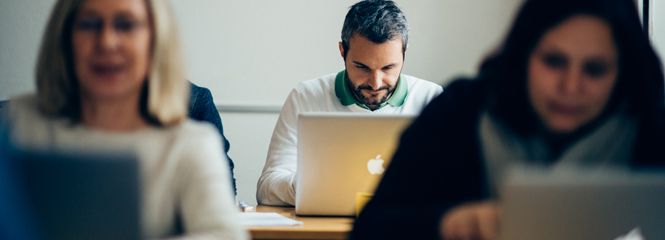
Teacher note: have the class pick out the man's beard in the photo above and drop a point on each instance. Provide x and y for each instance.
(371, 102)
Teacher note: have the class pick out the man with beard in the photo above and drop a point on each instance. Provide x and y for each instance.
(373, 46)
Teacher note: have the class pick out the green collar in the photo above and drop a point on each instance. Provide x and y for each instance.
(345, 96)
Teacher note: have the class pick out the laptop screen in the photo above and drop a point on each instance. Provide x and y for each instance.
(341, 155)
(14, 223)
(81, 195)
(584, 204)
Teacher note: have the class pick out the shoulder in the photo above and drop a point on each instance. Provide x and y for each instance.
(420, 92)
(193, 132)
(462, 93)
(198, 99)
(26, 102)
(316, 85)
(460, 103)
(194, 144)
(192, 138)
(314, 89)
(197, 91)
(648, 145)
(418, 84)
(28, 126)
(24, 109)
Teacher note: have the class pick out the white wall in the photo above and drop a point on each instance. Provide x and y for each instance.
(657, 28)
(252, 52)
(250, 136)
(21, 25)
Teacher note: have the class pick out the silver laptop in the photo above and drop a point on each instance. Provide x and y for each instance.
(340, 155)
(597, 205)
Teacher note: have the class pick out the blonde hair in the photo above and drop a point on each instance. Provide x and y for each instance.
(167, 90)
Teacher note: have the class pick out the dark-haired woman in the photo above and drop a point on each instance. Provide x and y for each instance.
(575, 84)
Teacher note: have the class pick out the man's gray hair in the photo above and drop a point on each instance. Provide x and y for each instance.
(377, 20)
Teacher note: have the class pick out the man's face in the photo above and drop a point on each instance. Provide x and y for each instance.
(373, 68)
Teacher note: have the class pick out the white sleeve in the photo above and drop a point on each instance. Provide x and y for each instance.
(276, 184)
(205, 197)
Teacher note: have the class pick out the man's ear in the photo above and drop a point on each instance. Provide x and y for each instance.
(341, 49)
(404, 52)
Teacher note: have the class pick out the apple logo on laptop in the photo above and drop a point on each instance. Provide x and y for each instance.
(634, 234)
(375, 165)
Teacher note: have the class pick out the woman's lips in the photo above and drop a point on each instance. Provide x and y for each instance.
(107, 70)
(564, 109)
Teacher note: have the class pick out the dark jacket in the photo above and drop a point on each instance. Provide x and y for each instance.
(438, 166)
(202, 108)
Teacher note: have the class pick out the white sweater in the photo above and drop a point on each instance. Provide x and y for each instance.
(183, 170)
(276, 184)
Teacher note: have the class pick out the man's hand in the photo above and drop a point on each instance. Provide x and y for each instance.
(471, 221)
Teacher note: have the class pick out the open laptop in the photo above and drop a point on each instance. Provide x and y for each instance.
(80, 195)
(581, 205)
(340, 155)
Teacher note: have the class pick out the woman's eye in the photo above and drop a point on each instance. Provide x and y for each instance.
(123, 25)
(89, 24)
(595, 69)
(556, 61)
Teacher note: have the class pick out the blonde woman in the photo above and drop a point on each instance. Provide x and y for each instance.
(109, 77)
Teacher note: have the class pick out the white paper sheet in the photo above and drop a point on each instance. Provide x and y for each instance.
(267, 219)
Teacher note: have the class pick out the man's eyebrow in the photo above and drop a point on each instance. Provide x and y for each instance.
(359, 63)
(390, 65)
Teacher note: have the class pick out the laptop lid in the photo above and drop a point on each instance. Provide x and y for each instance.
(13, 214)
(81, 195)
(341, 155)
(582, 205)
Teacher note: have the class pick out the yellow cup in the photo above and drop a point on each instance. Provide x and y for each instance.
(361, 199)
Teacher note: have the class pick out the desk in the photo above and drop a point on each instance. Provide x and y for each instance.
(312, 228)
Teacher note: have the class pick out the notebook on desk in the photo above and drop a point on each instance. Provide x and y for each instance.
(341, 155)
(582, 205)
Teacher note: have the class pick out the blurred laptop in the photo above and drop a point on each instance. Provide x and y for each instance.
(340, 155)
(13, 214)
(583, 205)
(80, 196)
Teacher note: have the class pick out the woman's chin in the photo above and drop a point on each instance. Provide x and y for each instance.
(563, 127)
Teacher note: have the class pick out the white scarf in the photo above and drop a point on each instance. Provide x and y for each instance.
(609, 145)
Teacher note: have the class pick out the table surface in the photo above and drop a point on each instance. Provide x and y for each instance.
(312, 227)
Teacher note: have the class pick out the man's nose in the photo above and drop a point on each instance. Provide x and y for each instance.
(376, 80)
